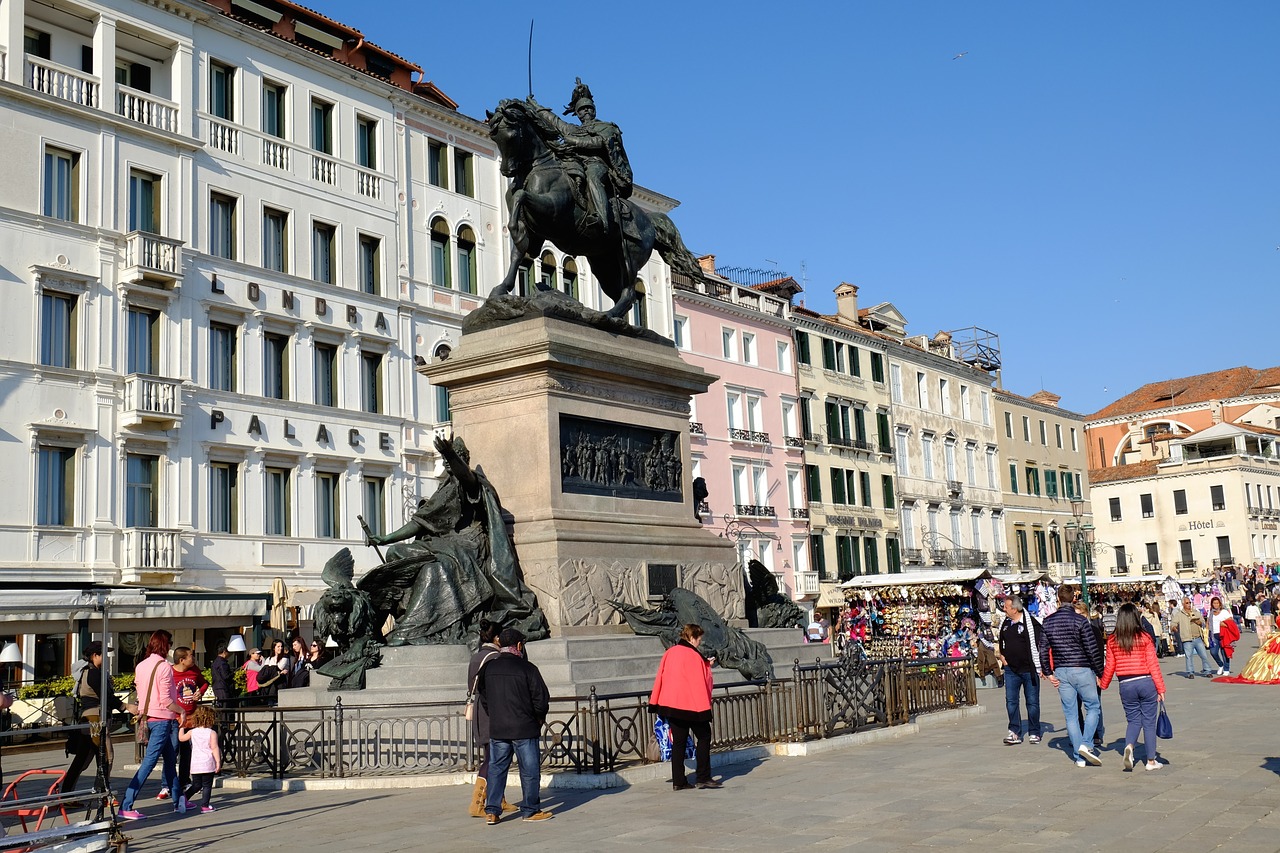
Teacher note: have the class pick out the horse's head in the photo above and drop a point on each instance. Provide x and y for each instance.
(511, 129)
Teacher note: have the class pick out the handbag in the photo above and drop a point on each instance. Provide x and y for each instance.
(471, 694)
(1164, 728)
(143, 730)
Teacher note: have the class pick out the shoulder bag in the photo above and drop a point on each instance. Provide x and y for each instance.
(471, 693)
(143, 730)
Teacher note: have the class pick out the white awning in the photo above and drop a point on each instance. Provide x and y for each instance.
(913, 578)
(29, 605)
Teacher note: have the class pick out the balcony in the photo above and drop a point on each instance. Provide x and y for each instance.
(807, 583)
(1185, 566)
(955, 488)
(151, 551)
(753, 511)
(794, 441)
(799, 512)
(152, 258)
(324, 169)
(1120, 570)
(1151, 568)
(1002, 558)
(151, 401)
(145, 108)
(695, 428)
(275, 153)
(1223, 562)
(748, 435)
(913, 556)
(368, 184)
(65, 84)
(224, 137)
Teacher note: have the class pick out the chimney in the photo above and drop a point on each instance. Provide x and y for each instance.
(847, 303)
(708, 264)
(1215, 409)
(1045, 398)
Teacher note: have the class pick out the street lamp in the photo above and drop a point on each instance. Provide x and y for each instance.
(1083, 544)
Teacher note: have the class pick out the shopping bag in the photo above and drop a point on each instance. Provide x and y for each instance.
(662, 734)
(1164, 728)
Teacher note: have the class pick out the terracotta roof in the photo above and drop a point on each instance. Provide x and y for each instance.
(1117, 473)
(1218, 385)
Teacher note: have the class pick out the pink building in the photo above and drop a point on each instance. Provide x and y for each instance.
(746, 440)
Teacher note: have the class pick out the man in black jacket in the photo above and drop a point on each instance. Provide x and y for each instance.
(1075, 664)
(515, 697)
(224, 687)
(1023, 646)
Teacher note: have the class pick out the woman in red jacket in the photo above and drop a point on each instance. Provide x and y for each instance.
(1131, 658)
(682, 694)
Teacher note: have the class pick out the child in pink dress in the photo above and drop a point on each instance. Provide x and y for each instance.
(206, 757)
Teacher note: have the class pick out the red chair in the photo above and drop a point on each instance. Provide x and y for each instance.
(40, 812)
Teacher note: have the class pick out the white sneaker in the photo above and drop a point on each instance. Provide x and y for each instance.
(1080, 762)
(1154, 765)
(1089, 755)
(1128, 756)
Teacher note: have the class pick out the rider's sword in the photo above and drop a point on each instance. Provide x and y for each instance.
(369, 533)
(531, 57)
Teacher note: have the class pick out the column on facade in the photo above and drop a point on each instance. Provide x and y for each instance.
(104, 61)
(253, 341)
(13, 14)
(184, 88)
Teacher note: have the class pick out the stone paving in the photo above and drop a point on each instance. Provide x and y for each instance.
(951, 785)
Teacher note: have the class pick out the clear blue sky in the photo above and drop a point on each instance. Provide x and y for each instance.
(1096, 182)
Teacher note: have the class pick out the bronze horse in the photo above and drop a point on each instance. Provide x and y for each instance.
(545, 205)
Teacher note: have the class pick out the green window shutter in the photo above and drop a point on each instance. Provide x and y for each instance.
(855, 361)
(833, 421)
(837, 486)
(814, 478)
(802, 348)
(886, 485)
(828, 354)
(864, 478)
(1013, 477)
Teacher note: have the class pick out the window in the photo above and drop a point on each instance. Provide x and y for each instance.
(1008, 424)
(1026, 429)
(37, 43)
(886, 489)
(1033, 481)
(944, 396)
(140, 487)
(966, 404)
(813, 483)
(909, 525)
(877, 367)
(1115, 509)
(795, 493)
(817, 555)
(370, 264)
(275, 240)
(971, 463)
(855, 361)
(443, 414)
(1122, 559)
(784, 356)
(1057, 434)
(640, 308)
(222, 226)
(375, 501)
(222, 357)
(144, 202)
(367, 142)
(135, 75)
(864, 487)
(437, 164)
(1068, 485)
(847, 557)
(222, 97)
(1215, 496)
(828, 354)
(1224, 550)
(871, 555)
(748, 348)
(1184, 547)
(224, 497)
(949, 458)
(900, 453)
(728, 343)
(328, 512)
(464, 180)
(371, 381)
(274, 109)
(569, 278)
(61, 185)
(926, 448)
(922, 391)
(143, 342)
(1180, 501)
(275, 366)
(882, 432)
(789, 418)
(733, 404)
(1050, 483)
(806, 418)
(992, 482)
(1075, 447)
(58, 315)
(985, 398)
(440, 267)
(1013, 477)
(547, 279)
(802, 348)
(55, 486)
(467, 278)
(323, 237)
(1044, 435)
(326, 374)
(895, 383)
(1147, 508)
(680, 332)
(277, 518)
(893, 555)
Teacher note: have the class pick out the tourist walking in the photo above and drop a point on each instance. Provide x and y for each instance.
(190, 686)
(1075, 662)
(206, 757)
(88, 704)
(1131, 658)
(515, 697)
(1189, 624)
(1023, 646)
(682, 694)
(487, 651)
(1099, 634)
(158, 701)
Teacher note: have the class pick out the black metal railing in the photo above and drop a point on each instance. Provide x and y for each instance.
(754, 510)
(749, 435)
(695, 428)
(799, 512)
(794, 441)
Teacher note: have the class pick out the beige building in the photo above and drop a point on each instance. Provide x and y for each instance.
(1214, 501)
(1042, 458)
(844, 418)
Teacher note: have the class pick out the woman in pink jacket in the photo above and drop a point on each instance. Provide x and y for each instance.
(158, 702)
(1131, 658)
(682, 694)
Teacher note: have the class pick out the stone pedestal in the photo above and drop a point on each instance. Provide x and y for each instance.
(584, 434)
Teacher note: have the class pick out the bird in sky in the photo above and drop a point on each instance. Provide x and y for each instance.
(958, 55)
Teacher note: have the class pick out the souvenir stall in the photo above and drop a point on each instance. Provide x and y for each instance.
(917, 614)
(1146, 590)
(1038, 590)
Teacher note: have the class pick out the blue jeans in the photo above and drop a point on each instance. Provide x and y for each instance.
(1196, 646)
(1028, 682)
(1141, 705)
(1079, 681)
(526, 753)
(1218, 652)
(163, 743)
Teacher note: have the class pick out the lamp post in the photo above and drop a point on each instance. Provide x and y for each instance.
(1083, 543)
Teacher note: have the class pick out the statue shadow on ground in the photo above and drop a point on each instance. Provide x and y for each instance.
(1272, 764)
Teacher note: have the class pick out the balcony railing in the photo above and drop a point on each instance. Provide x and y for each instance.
(794, 441)
(912, 556)
(151, 400)
(1002, 558)
(152, 549)
(145, 108)
(152, 257)
(324, 169)
(799, 512)
(754, 511)
(748, 435)
(695, 428)
(224, 137)
(955, 487)
(63, 83)
(886, 449)
(368, 184)
(275, 153)
(1151, 568)
(1120, 570)
(1184, 565)
(1223, 562)
(807, 583)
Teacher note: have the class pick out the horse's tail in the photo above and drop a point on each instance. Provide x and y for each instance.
(670, 245)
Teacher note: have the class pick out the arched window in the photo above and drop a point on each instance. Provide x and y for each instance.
(440, 276)
(569, 278)
(524, 276)
(467, 281)
(547, 280)
(639, 308)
